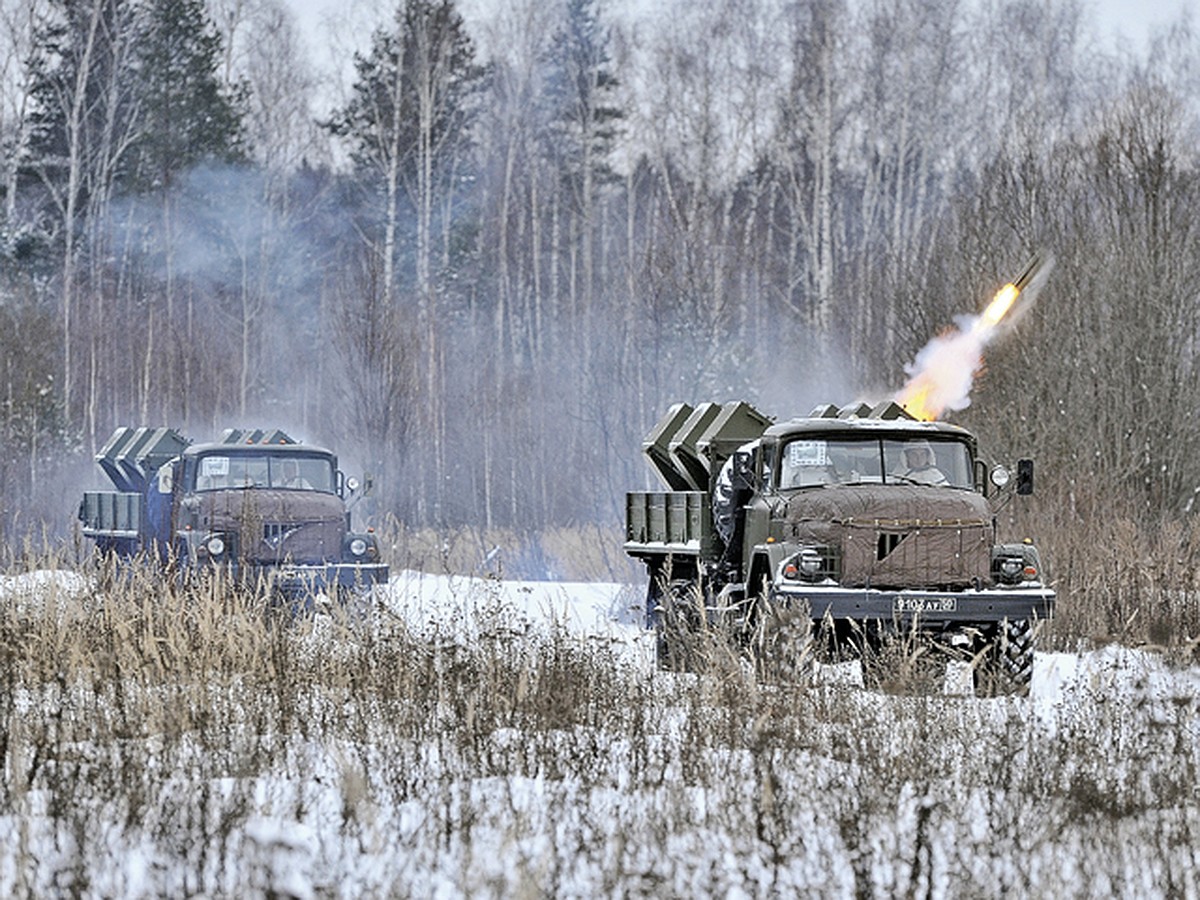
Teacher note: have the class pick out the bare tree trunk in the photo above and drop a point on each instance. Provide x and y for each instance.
(392, 191)
(18, 22)
(144, 404)
(75, 163)
(822, 257)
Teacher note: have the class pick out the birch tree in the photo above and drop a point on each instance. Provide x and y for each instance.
(18, 26)
(813, 123)
(408, 124)
(81, 124)
(407, 120)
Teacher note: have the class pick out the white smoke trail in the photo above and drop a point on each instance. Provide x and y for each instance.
(942, 375)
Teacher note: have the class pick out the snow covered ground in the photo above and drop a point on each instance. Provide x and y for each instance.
(496, 738)
(611, 612)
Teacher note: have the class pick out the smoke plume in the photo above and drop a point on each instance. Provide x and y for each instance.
(941, 377)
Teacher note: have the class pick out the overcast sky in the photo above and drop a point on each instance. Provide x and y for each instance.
(1133, 19)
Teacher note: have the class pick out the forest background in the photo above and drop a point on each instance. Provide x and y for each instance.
(486, 268)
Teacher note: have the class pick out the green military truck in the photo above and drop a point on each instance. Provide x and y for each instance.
(842, 531)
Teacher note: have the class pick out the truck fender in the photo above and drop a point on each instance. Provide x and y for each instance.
(765, 560)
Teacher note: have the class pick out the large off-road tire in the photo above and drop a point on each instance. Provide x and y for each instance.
(1004, 665)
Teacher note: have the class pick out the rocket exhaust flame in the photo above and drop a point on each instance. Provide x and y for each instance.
(999, 307)
(941, 377)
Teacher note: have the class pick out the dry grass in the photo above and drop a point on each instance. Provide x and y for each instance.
(587, 553)
(1124, 583)
(223, 746)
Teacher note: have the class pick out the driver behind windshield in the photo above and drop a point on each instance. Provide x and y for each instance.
(920, 464)
(291, 477)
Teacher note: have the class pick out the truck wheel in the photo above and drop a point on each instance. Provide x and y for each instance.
(1005, 665)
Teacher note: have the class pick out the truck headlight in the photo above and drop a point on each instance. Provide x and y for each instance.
(360, 547)
(1010, 569)
(810, 564)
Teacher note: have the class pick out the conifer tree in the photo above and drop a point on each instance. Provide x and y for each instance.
(188, 115)
(408, 119)
(583, 111)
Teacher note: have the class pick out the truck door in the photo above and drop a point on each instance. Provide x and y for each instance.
(757, 511)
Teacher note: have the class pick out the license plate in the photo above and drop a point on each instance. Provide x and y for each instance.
(925, 604)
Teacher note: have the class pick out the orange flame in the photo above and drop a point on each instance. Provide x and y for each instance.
(942, 375)
(915, 398)
(999, 307)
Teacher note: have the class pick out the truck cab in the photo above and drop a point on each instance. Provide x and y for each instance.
(859, 515)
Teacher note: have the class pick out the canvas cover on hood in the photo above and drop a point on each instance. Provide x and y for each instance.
(279, 526)
(893, 536)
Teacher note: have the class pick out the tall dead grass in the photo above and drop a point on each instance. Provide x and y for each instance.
(226, 749)
(582, 553)
(1120, 581)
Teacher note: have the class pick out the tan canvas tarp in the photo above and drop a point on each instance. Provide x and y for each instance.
(899, 536)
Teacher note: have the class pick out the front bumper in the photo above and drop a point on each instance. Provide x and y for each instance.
(928, 609)
(297, 581)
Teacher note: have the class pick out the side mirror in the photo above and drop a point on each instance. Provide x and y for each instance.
(1025, 476)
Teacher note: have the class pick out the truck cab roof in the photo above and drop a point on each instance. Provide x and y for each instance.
(899, 428)
(195, 450)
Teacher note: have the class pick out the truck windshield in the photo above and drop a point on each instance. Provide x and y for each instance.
(218, 472)
(814, 462)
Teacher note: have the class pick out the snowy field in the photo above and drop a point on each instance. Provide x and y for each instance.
(499, 739)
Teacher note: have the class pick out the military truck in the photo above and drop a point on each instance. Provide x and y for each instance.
(842, 530)
(254, 506)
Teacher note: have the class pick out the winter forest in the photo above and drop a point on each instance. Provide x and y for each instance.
(485, 268)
